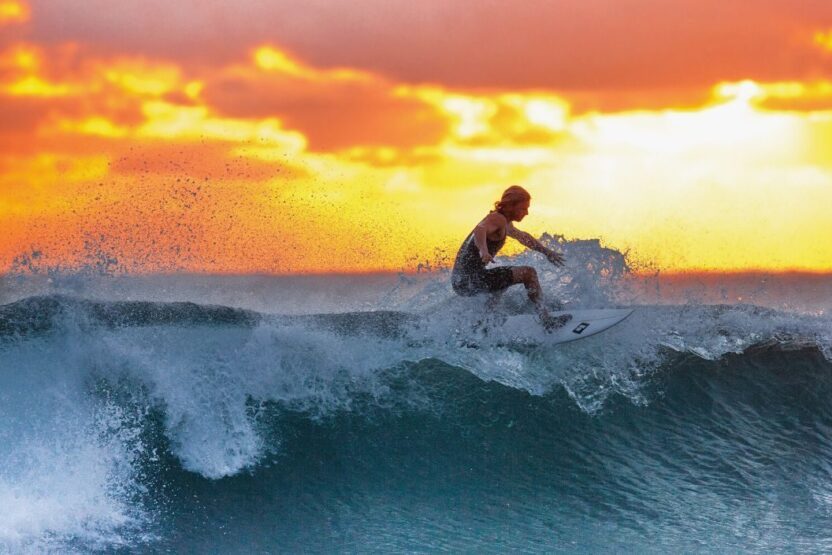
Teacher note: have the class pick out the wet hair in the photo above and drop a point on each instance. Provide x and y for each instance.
(512, 195)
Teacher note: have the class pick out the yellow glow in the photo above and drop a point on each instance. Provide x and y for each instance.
(22, 62)
(193, 89)
(496, 119)
(271, 59)
(471, 113)
(790, 89)
(720, 188)
(12, 11)
(824, 39)
(346, 74)
(522, 156)
(35, 86)
(136, 78)
(545, 111)
(545, 114)
(726, 126)
(796, 91)
(94, 126)
(26, 58)
(743, 91)
(27, 183)
(171, 121)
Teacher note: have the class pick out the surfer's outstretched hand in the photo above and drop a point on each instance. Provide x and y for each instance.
(555, 258)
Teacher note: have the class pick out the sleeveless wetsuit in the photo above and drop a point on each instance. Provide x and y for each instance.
(470, 276)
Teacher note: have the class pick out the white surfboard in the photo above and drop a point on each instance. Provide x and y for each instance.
(526, 328)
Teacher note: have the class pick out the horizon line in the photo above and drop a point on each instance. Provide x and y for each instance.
(381, 272)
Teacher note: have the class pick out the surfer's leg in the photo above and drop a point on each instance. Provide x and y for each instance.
(528, 277)
(497, 280)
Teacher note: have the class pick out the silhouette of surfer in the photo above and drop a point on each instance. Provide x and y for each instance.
(470, 275)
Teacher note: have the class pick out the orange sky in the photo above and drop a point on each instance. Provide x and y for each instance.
(370, 135)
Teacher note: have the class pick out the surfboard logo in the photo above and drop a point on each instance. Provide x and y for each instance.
(581, 327)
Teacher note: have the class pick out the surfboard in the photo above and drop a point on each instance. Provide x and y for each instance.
(526, 328)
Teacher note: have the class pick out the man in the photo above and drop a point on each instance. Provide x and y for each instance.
(470, 275)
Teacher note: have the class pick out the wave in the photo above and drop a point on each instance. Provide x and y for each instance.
(110, 426)
(114, 412)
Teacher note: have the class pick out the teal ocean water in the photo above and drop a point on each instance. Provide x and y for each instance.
(377, 413)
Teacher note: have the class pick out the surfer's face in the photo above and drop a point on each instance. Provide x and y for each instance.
(517, 212)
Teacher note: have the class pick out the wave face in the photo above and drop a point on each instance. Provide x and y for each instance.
(413, 426)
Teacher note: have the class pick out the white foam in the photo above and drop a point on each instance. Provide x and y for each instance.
(67, 467)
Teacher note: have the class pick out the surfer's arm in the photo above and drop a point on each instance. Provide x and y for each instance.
(489, 224)
(481, 239)
(528, 241)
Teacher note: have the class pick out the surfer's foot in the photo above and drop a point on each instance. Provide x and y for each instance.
(552, 323)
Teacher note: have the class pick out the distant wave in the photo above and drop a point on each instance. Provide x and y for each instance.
(42, 313)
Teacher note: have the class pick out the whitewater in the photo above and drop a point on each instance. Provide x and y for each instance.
(382, 413)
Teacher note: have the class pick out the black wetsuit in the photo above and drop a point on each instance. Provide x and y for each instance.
(470, 276)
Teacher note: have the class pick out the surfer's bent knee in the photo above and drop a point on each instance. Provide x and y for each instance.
(524, 274)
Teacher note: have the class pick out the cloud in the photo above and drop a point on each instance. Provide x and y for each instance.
(20, 115)
(334, 109)
(65, 80)
(594, 45)
(796, 96)
(331, 75)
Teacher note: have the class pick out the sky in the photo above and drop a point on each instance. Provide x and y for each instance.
(315, 136)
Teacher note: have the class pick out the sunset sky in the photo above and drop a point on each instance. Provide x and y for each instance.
(361, 135)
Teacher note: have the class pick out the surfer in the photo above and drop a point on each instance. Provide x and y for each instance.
(470, 275)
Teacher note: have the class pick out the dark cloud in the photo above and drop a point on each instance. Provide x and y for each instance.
(20, 118)
(30, 124)
(21, 115)
(628, 99)
(331, 114)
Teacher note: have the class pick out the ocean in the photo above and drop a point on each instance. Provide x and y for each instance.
(380, 413)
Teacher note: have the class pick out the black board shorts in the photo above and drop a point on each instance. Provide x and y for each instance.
(485, 281)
